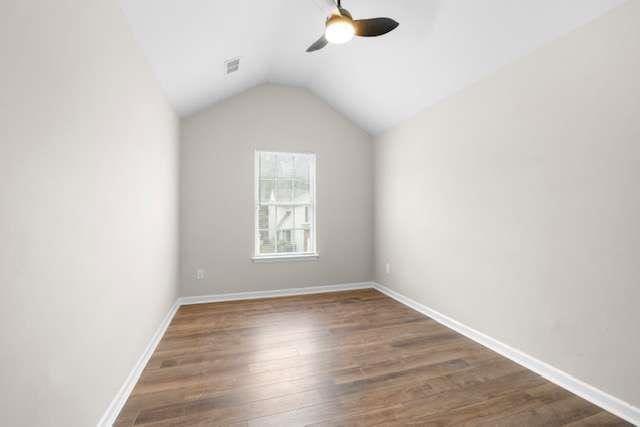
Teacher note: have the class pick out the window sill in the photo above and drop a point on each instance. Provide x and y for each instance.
(286, 258)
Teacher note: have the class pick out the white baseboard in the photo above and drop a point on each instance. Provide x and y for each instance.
(598, 397)
(203, 299)
(118, 402)
(612, 404)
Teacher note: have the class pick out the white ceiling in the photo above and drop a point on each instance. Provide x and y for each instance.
(440, 47)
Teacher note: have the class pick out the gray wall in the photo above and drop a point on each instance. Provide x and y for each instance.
(513, 206)
(217, 189)
(88, 168)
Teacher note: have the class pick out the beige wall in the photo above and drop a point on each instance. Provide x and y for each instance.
(510, 207)
(88, 168)
(217, 190)
(513, 206)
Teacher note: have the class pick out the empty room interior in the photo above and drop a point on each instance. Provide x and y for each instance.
(319, 213)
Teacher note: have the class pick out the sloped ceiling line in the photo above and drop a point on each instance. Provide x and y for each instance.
(440, 47)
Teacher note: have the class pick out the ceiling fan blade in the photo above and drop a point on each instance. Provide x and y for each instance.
(374, 27)
(319, 44)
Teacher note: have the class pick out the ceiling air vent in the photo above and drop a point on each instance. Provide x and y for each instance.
(232, 65)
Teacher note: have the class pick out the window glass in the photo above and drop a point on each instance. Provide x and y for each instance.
(285, 203)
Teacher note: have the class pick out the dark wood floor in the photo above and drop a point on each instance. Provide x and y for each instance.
(348, 358)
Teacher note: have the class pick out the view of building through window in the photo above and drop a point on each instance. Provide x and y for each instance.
(285, 203)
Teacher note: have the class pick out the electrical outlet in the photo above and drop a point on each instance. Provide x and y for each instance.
(387, 268)
(200, 273)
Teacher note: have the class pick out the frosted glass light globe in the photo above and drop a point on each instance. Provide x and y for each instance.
(339, 31)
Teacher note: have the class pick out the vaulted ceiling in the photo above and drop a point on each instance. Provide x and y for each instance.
(440, 47)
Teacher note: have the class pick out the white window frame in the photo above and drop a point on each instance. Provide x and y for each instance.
(293, 256)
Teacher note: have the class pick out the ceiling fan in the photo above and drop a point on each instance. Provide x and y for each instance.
(341, 27)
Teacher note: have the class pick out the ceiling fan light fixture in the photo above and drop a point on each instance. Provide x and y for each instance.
(339, 29)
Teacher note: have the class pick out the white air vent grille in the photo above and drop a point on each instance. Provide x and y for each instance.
(232, 65)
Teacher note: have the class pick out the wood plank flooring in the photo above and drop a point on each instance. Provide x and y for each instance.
(349, 358)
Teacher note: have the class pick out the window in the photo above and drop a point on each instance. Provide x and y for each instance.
(285, 205)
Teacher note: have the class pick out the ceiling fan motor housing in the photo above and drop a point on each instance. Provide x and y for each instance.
(344, 16)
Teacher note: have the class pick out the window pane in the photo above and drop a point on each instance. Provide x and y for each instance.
(285, 165)
(283, 190)
(268, 167)
(301, 191)
(284, 218)
(286, 241)
(303, 240)
(267, 190)
(267, 244)
(302, 217)
(263, 217)
(267, 217)
(294, 241)
(303, 166)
